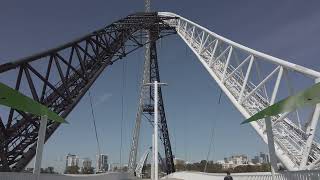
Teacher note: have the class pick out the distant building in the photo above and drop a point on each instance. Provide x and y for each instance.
(238, 159)
(29, 170)
(233, 161)
(228, 165)
(102, 163)
(256, 160)
(49, 170)
(264, 157)
(87, 163)
(220, 161)
(261, 159)
(178, 161)
(72, 160)
(110, 167)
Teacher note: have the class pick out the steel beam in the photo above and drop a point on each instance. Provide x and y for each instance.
(289, 138)
(77, 65)
(151, 74)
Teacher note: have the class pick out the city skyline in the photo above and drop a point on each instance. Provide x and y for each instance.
(80, 161)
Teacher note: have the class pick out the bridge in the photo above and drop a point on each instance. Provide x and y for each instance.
(76, 65)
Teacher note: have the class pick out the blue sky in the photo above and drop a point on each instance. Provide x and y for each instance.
(287, 29)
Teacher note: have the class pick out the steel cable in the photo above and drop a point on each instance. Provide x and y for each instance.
(211, 143)
(94, 124)
(122, 108)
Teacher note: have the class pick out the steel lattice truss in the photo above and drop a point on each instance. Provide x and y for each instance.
(146, 108)
(143, 161)
(154, 76)
(237, 70)
(72, 68)
(60, 77)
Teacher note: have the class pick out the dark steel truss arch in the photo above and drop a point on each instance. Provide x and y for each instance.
(60, 77)
(155, 76)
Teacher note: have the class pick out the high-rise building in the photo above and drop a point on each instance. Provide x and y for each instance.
(262, 158)
(87, 163)
(72, 160)
(102, 163)
(256, 160)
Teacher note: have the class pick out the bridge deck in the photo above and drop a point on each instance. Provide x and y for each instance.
(166, 179)
(297, 175)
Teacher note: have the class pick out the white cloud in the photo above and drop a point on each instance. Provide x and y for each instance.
(103, 98)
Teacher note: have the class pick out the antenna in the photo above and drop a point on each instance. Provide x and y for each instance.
(147, 5)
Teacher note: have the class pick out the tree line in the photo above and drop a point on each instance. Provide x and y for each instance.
(217, 168)
(77, 170)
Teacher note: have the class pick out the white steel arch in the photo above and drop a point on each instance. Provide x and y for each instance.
(142, 163)
(225, 61)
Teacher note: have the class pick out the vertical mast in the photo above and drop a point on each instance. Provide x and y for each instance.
(143, 98)
(146, 107)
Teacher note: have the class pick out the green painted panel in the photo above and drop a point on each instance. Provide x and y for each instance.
(308, 97)
(14, 99)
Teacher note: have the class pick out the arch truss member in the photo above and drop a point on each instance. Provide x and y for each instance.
(236, 70)
(60, 77)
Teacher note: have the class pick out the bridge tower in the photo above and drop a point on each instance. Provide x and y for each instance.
(145, 107)
(59, 77)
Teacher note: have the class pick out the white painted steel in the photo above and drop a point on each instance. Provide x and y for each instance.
(291, 92)
(152, 163)
(262, 83)
(269, 128)
(217, 53)
(276, 86)
(142, 101)
(213, 52)
(155, 155)
(272, 151)
(240, 66)
(40, 144)
(246, 78)
(267, 57)
(312, 131)
(227, 64)
(141, 163)
(298, 175)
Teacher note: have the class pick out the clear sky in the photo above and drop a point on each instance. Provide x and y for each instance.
(288, 29)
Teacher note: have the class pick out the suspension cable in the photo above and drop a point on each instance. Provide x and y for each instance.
(122, 108)
(94, 124)
(219, 101)
(211, 143)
